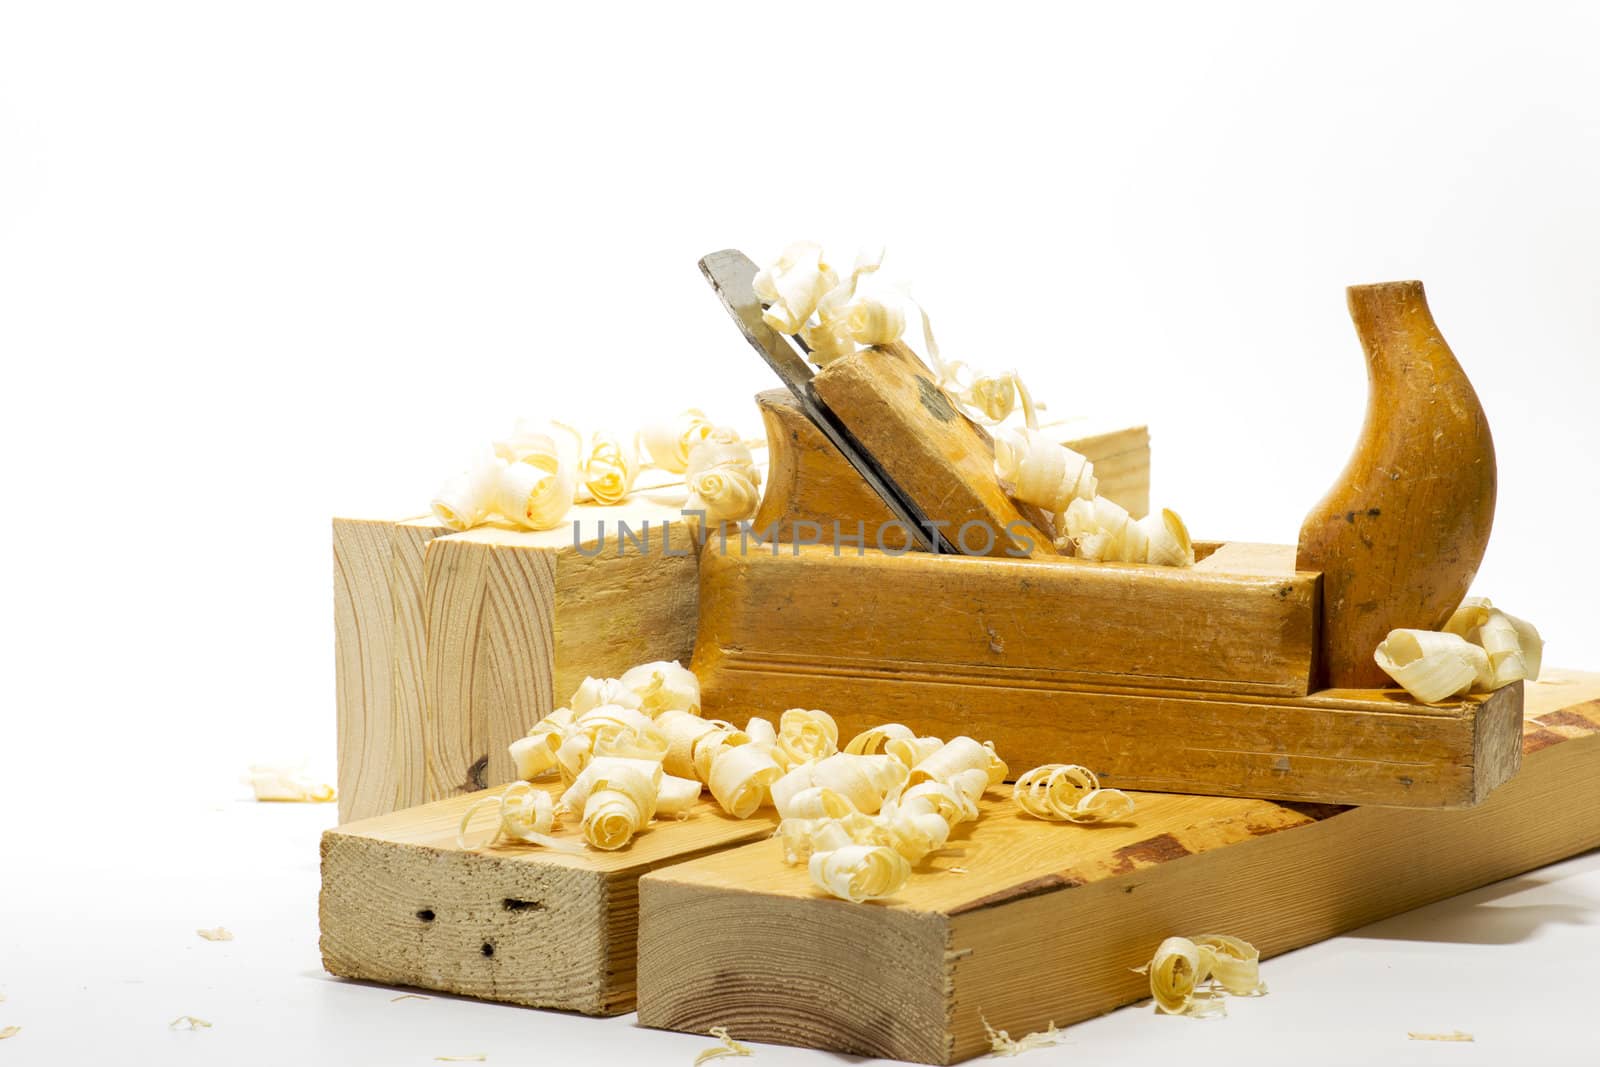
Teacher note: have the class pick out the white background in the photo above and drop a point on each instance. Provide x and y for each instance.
(262, 264)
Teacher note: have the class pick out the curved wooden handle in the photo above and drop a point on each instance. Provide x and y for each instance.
(1401, 533)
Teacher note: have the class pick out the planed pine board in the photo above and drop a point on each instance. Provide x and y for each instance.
(1049, 919)
(403, 904)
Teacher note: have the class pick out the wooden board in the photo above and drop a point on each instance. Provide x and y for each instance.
(1049, 919)
(943, 461)
(1158, 679)
(448, 646)
(403, 905)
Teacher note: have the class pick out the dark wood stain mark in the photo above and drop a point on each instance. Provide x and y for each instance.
(934, 400)
(1568, 718)
(1316, 812)
(1037, 887)
(1536, 739)
(1148, 853)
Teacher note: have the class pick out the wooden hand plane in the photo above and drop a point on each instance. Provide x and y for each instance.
(1249, 674)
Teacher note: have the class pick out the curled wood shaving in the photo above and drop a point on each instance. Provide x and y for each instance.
(961, 754)
(1182, 966)
(1003, 1044)
(740, 777)
(539, 482)
(794, 285)
(724, 482)
(272, 782)
(729, 1047)
(670, 441)
(188, 1022)
(662, 686)
(1234, 964)
(805, 735)
(10, 1031)
(216, 934)
(476, 1057)
(862, 781)
(608, 469)
(1101, 529)
(1175, 973)
(1454, 1035)
(1513, 645)
(596, 692)
(1066, 792)
(860, 872)
(1433, 666)
(1043, 472)
(525, 814)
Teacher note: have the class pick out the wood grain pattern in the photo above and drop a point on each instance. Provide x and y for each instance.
(442, 664)
(1014, 623)
(809, 481)
(943, 461)
(403, 905)
(362, 625)
(1048, 920)
(1401, 533)
(1158, 679)
(516, 619)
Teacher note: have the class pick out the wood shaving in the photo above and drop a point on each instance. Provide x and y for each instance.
(1454, 1035)
(1101, 529)
(1433, 666)
(1181, 967)
(608, 469)
(408, 996)
(1003, 1044)
(217, 934)
(860, 872)
(669, 441)
(476, 1057)
(526, 815)
(1066, 792)
(1235, 965)
(724, 482)
(10, 1031)
(729, 1047)
(1043, 472)
(188, 1022)
(279, 783)
(1480, 648)
(1513, 645)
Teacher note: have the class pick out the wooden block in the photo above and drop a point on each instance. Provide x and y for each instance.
(1042, 625)
(943, 461)
(1048, 920)
(403, 905)
(520, 618)
(515, 620)
(377, 639)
